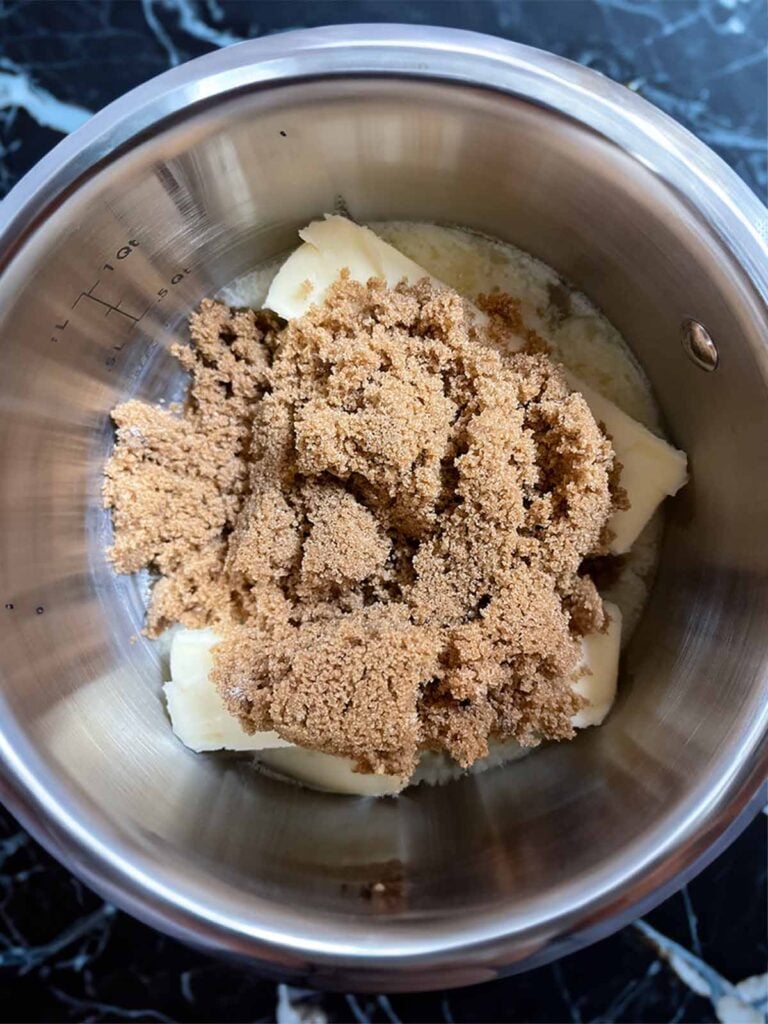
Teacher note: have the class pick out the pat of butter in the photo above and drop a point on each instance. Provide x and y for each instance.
(328, 773)
(202, 723)
(651, 469)
(330, 246)
(600, 670)
(198, 715)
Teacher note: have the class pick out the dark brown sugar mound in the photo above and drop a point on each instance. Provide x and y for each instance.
(384, 510)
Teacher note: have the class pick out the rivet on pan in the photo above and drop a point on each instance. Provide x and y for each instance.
(698, 345)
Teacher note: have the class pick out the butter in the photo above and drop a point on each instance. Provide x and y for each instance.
(598, 671)
(198, 715)
(330, 246)
(202, 723)
(651, 469)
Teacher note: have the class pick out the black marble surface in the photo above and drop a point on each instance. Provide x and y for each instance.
(65, 955)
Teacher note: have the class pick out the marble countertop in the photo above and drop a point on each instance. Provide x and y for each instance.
(65, 955)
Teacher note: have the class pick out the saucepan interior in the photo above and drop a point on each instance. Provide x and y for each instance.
(485, 872)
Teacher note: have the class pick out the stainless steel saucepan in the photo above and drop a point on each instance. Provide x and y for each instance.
(170, 193)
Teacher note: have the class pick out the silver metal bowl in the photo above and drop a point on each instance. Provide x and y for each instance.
(170, 193)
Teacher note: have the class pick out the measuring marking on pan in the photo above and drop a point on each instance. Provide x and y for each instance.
(109, 306)
(122, 253)
(96, 294)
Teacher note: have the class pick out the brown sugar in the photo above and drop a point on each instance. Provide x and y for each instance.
(384, 510)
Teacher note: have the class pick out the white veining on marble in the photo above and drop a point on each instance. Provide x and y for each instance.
(386, 1006)
(565, 993)
(752, 992)
(185, 984)
(709, 63)
(692, 919)
(631, 991)
(191, 23)
(357, 1011)
(742, 1003)
(447, 1012)
(18, 91)
(156, 26)
(189, 20)
(17, 952)
(86, 1008)
(739, 64)
(294, 1006)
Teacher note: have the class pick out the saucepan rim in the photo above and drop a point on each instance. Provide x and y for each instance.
(90, 847)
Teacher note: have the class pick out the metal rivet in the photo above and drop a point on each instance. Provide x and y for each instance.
(698, 345)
